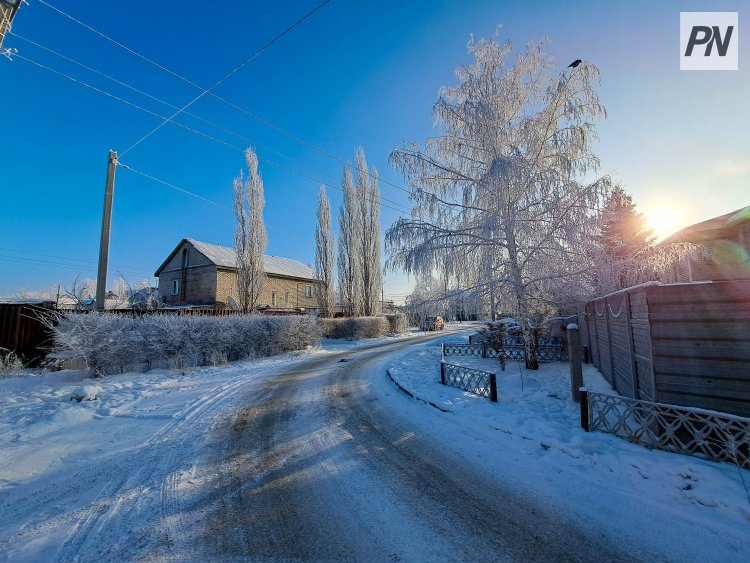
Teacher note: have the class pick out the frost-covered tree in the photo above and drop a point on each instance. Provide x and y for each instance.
(368, 204)
(350, 248)
(359, 268)
(250, 237)
(506, 188)
(623, 242)
(625, 254)
(325, 250)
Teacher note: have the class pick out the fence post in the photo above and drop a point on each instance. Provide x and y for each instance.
(442, 372)
(584, 397)
(493, 388)
(574, 353)
(484, 349)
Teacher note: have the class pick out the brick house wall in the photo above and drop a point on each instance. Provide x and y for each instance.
(196, 279)
(289, 292)
(189, 277)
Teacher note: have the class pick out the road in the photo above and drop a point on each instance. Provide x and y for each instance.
(308, 463)
(319, 467)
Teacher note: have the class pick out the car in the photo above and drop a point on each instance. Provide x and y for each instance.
(432, 323)
(512, 328)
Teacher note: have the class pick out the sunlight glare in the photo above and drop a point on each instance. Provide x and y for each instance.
(663, 221)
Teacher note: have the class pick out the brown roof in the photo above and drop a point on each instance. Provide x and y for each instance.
(710, 228)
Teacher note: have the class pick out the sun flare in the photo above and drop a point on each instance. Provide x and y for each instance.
(663, 221)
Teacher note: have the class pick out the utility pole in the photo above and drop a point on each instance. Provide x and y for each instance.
(109, 192)
(8, 9)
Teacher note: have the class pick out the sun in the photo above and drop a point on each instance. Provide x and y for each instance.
(663, 221)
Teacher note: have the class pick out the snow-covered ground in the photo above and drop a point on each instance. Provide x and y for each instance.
(684, 507)
(58, 452)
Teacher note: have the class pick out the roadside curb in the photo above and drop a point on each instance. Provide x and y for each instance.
(412, 395)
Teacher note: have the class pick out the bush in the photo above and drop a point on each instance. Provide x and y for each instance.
(10, 363)
(396, 322)
(109, 343)
(356, 328)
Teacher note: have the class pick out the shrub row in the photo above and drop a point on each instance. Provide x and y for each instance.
(397, 322)
(355, 328)
(110, 344)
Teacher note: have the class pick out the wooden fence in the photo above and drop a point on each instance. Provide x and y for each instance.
(23, 332)
(683, 344)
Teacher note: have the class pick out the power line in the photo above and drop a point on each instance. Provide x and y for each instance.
(236, 69)
(174, 187)
(206, 135)
(80, 267)
(146, 94)
(224, 100)
(16, 251)
(153, 97)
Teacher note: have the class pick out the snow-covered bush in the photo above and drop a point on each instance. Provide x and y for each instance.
(396, 322)
(109, 343)
(356, 328)
(9, 362)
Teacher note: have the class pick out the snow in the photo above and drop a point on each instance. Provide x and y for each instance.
(678, 507)
(56, 450)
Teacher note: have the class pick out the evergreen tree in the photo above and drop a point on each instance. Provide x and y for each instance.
(625, 242)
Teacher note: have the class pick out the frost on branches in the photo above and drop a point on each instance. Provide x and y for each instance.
(324, 255)
(359, 269)
(625, 254)
(250, 233)
(503, 193)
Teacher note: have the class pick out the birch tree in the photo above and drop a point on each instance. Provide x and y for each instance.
(250, 237)
(325, 250)
(508, 181)
(350, 248)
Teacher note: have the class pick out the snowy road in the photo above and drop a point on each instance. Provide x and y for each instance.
(319, 467)
(304, 456)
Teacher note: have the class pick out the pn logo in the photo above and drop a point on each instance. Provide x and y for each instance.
(709, 41)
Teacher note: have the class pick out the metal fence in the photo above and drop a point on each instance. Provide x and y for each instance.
(672, 428)
(475, 381)
(476, 350)
(512, 350)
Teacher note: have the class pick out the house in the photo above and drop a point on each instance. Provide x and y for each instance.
(198, 273)
(727, 241)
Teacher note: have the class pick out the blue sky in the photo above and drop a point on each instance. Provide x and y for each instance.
(356, 73)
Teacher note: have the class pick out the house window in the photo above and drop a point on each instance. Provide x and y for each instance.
(175, 287)
(308, 291)
(286, 298)
(273, 298)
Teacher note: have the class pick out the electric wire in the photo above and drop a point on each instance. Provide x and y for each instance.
(233, 71)
(67, 258)
(224, 100)
(173, 186)
(402, 210)
(80, 267)
(146, 94)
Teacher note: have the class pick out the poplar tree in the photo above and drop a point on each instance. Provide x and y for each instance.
(250, 237)
(325, 250)
(350, 248)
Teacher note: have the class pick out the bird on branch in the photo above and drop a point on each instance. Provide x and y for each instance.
(575, 63)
